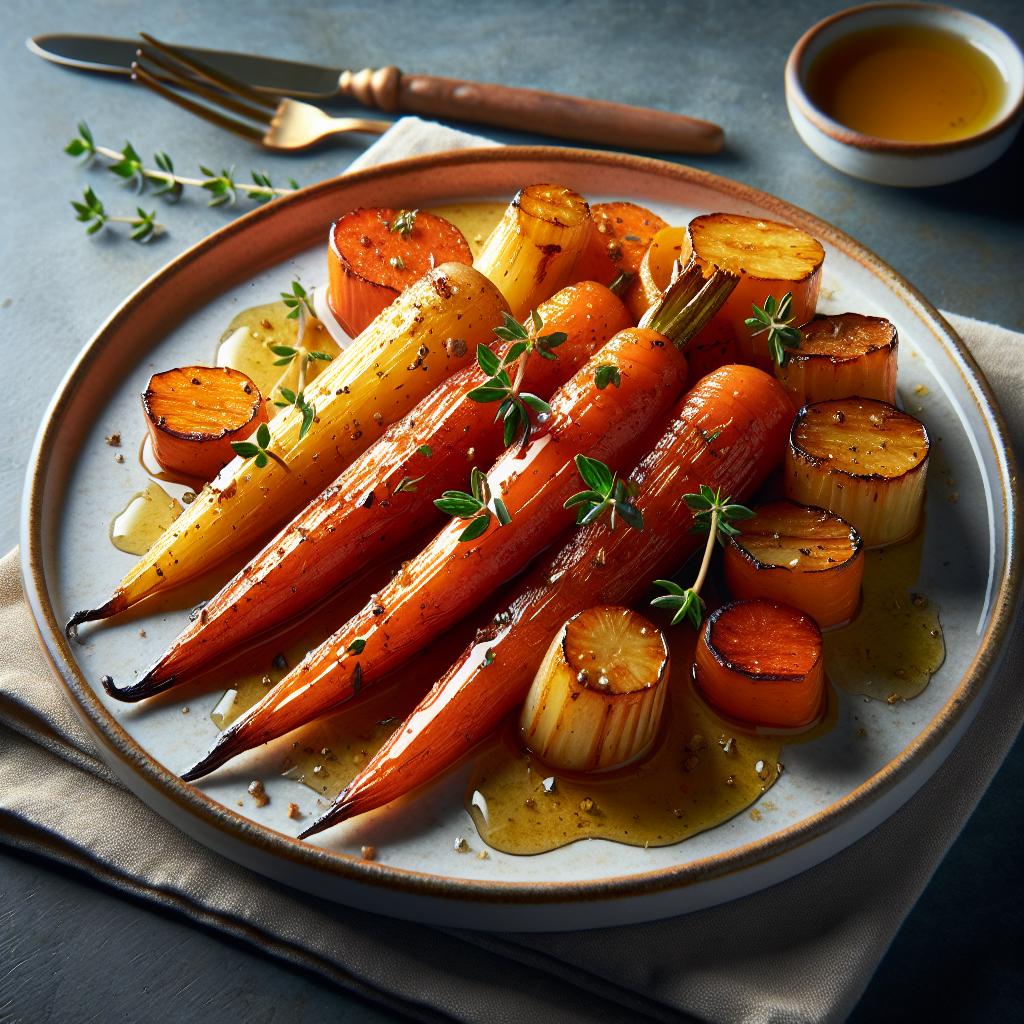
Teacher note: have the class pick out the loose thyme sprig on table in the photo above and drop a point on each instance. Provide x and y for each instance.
(516, 405)
(776, 318)
(712, 514)
(607, 493)
(91, 211)
(475, 506)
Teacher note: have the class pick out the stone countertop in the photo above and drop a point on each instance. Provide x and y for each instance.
(959, 244)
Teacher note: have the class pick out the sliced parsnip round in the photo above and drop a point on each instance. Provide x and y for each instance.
(841, 355)
(800, 555)
(597, 698)
(531, 254)
(770, 259)
(864, 460)
(761, 663)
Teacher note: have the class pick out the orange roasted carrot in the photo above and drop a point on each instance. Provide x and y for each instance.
(619, 237)
(374, 254)
(463, 564)
(752, 412)
(382, 498)
(760, 663)
(799, 555)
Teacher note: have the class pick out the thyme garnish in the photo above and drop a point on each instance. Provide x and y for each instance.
(607, 374)
(714, 515)
(476, 506)
(515, 405)
(404, 223)
(606, 493)
(407, 484)
(91, 211)
(776, 318)
(258, 450)
(298, 400)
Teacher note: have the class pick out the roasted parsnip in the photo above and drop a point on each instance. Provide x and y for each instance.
(842, 355)
(430, 331)
(530, 255)
(798, 555)
(863, 460)
(194, 413)
(597, 698)
(760, 663)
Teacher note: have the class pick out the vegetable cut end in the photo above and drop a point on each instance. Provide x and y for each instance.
(760, 662)
(864, 460)
(597, 699)
(841, 355)
(803, 556)
(195, 413)
(619, 237)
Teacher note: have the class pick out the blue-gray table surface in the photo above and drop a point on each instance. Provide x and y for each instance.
(960, 244)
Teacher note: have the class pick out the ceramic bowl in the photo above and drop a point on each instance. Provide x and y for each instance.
(885, 161)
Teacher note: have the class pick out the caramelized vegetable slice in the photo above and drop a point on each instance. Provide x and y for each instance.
(760, 663)
(803, 556)
(597, 698)
(842, 355)
(531, 254)
(374, 254)
(864, 460)
(770, 259)
(194, 413)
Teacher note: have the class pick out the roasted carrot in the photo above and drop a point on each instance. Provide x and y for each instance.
(194, 413)
(383, 497)
(462, 566)
(798, 555)
(760, 663)
(376, 253)
(751, 413)
(421, 339)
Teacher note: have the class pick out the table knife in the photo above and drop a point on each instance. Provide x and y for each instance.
(391, 90)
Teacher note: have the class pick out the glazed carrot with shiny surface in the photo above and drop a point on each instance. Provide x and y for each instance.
(382, 498)
(752, 412)
(455, 573)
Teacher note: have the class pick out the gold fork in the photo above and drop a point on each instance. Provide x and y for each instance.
(276, 122)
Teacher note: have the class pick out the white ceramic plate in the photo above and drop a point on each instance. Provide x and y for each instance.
(834, 790)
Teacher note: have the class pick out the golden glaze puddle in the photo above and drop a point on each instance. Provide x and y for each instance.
(140, 524)
(474, 220)
(895, 645)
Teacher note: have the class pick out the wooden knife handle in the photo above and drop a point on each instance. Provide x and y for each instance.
(531, 110)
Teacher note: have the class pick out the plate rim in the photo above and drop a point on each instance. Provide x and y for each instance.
(130, 756)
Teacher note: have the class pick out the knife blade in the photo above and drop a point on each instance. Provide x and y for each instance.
(268, 74)
(393, 91)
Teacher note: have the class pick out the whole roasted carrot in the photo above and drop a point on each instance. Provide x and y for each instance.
(746, 415)
(463, 564)
(383, 497)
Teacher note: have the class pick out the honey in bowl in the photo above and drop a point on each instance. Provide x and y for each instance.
(907, 83)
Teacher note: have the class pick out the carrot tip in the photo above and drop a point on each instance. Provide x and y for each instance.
(139, 690)
(86, 615)
(334, 815)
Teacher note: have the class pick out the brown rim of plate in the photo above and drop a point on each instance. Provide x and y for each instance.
(848, 136)
(856, 542)
(724, 662)
(817, 462)
(236, 829)
(798, 355)
(195, 435)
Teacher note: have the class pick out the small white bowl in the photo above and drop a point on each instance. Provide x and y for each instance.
(905, 163)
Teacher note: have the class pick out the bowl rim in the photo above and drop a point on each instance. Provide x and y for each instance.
(133, 762)
(838, 132)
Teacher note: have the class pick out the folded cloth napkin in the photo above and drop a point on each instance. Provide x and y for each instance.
(801, 951)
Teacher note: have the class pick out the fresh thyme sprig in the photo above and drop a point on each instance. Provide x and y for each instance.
(776, 318)
(128, 165)
(256, 451)
(404, 223)
(606, 374)
(298, 400)
(476, 506)
(515, 405)
(606, 493)
(91, 211)
(714, 515)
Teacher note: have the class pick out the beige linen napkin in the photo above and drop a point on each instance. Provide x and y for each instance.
(801, 951)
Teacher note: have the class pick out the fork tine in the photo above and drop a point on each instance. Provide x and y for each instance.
(217, 98)
(140, 74)
(217, 78)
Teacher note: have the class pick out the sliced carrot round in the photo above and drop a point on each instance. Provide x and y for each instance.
(619, 237)
(799, 555)
(376, 253)
(760, 663)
